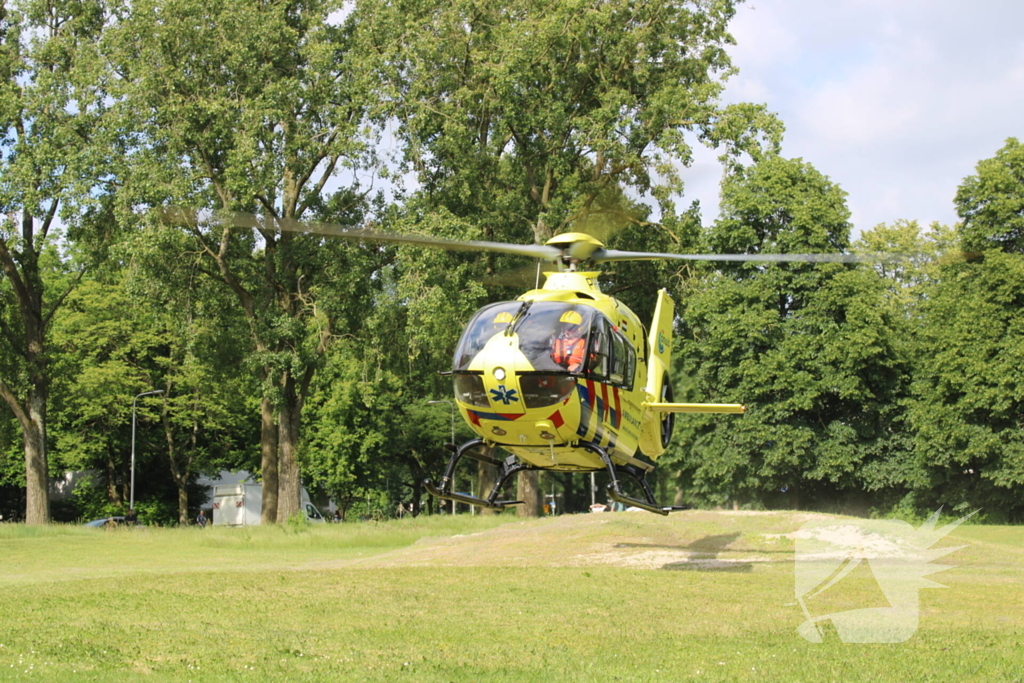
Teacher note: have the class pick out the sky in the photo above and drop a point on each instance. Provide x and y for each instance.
(894, 100)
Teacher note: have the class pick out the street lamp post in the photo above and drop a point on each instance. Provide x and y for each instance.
(451, 407)
(131, 500)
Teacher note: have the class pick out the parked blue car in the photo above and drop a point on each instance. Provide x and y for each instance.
(109, 521)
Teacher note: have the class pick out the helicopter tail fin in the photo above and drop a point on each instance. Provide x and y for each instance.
(656, 428)
(659, 340)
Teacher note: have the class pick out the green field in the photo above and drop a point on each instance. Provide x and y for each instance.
(701, 596)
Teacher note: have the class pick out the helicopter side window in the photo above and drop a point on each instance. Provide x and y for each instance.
(610, 357)
(618, 364)
(599, 355)
(630, 364)
(623, 361)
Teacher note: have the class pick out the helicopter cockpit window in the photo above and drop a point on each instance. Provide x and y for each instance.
(488, 321)
(553, 335)
(538, 326)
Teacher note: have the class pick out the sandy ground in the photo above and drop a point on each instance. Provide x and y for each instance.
(685, 540)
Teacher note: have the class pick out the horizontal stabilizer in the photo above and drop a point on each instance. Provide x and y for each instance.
(696, 407)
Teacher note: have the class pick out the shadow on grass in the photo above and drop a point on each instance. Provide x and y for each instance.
(707, 544)
(704, 555)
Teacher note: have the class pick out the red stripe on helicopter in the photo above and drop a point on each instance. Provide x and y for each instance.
(604, 396)
(591, 394)
(557, 420)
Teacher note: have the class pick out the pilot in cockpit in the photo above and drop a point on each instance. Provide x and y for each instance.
(568, 347)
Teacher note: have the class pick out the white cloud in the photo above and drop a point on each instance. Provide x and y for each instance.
(895, 101)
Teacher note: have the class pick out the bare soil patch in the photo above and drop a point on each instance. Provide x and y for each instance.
(695, 540)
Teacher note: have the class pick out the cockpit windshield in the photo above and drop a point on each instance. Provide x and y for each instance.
(552, 335)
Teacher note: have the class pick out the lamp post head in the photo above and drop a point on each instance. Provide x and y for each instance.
(146, 393)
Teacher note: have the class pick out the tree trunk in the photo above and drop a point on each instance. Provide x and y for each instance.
(179, 475)
(680, 496)
(289, 485)
(486, 475)
(182, 503)
(33, 432)
(113, 478)
(30, 411)
(37, 474)
(268, 461)
(417, 500)
(181, 483)
(37, 480)
(530, 493)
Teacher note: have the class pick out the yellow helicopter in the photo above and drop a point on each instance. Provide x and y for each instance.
(565, 377)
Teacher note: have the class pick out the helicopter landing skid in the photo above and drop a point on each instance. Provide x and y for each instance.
(639, 475)
(506, 468)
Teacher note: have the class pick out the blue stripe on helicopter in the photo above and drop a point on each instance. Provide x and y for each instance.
(494, 416)
(584, 425)
(586, 413)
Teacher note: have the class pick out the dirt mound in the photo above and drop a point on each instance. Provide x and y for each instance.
(685, 540)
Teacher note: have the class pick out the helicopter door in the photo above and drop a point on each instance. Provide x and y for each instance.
(599, 355)
(611, 358)
(623, 363)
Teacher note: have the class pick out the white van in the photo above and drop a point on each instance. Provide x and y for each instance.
(239, 505)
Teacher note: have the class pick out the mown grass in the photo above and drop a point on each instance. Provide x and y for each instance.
(330, 604)
(28, 552)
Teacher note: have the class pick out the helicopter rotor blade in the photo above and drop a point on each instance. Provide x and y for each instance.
(529, 276)
(582, 250)
(538, 251)
(603, 255)
(244, 220)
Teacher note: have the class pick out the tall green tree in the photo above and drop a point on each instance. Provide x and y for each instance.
(528, 118)
(915, 254)
(968, 412)
(810, 348)
(203, 345)
(991, 202)
(522, 115)
(896, 479)
(103, 345)
(236, 119)
(150, 322)
(52, 170)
